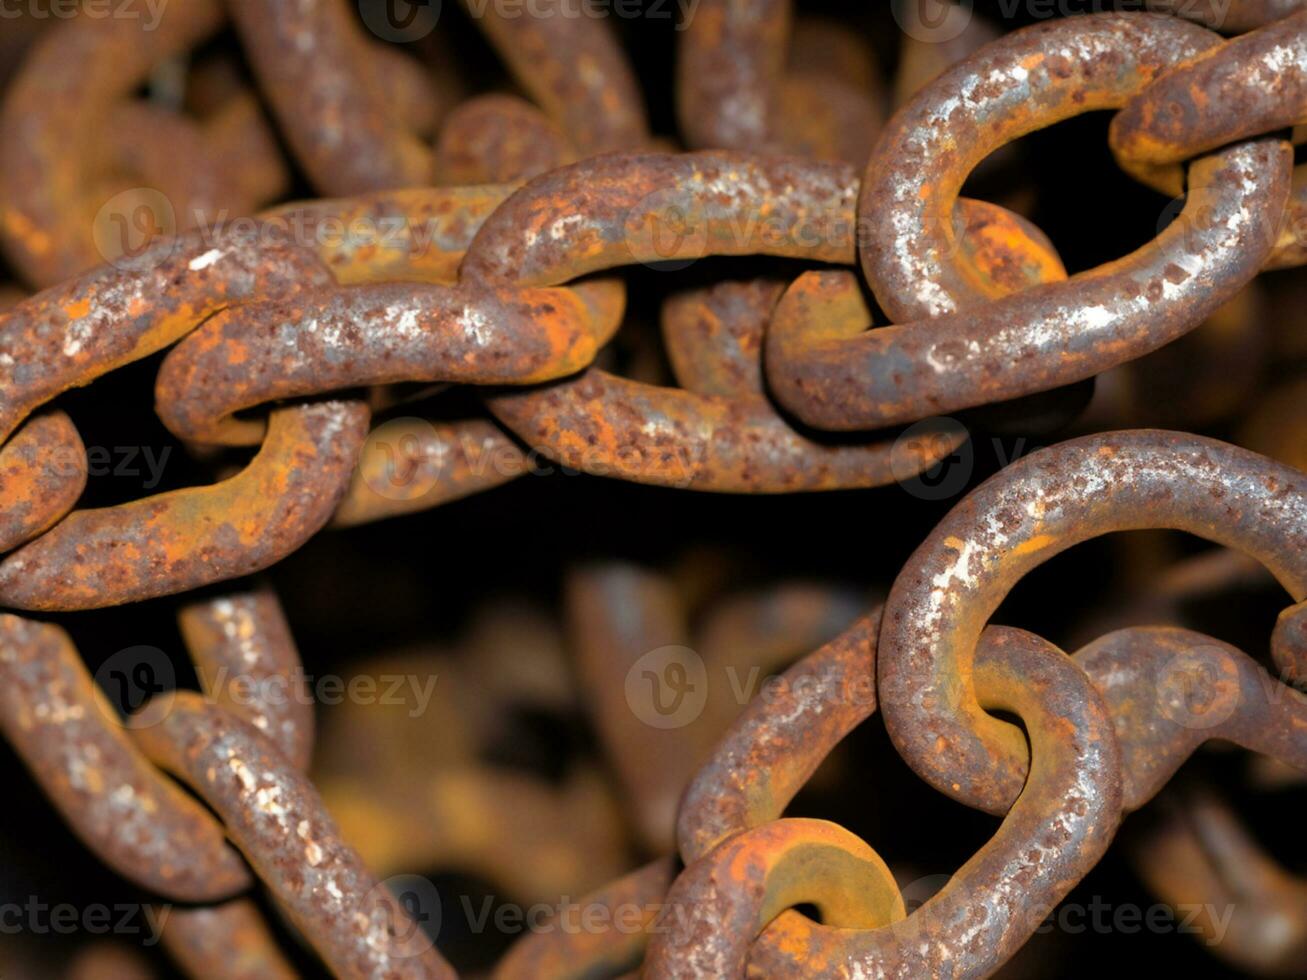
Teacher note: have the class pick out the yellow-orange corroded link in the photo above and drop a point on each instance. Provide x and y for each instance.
(181, 540)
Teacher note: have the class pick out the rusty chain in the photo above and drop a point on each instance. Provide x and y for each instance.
(862, 322)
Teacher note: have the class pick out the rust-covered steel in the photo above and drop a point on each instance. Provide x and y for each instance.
(621, 209)
(1022, 82)
(949, 349)
(314, 61)
(1059, 826)
(42, 473)
(633, 904)
(183, 539)
(608, 425)
(1253, 84)
(720, 904)
(70, 334)
(273, 814)
(1031, 511)
(1251, 911)
(573, 67)
(246, 661)
(519, 273)
(1169, 690)
(318, 342)
(53, 138)
(69, 736)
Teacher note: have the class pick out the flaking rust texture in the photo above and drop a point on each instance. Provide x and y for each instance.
(186, 538)
(1034, 509)
(68, 735)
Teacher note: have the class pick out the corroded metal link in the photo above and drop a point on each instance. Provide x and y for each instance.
(653, 764)
(1291, 247)
(192, 172)
(621, 209)
(1249, 910)
(1230, 16)
(181, 540)
(499, 138)
(729, 69)
(714, 336)
(68, 735)
(1169, 690)
(745, 81)
(73, 333)
(1253, 84)
(42, 473)
(1032, 510)
(225, 942)
(633, 901)
(49, 110)
(574, 69)
(276, 818)
(833, 373)
(313, 61)
(1024, 81)
(781, 742)
(411, 465)
(610, 426)
(246, 661)
(1062, 822)
(414, 235)
(719, 905)
(325, 340)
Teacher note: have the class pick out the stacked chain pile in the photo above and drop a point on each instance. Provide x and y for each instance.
(865, 322)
